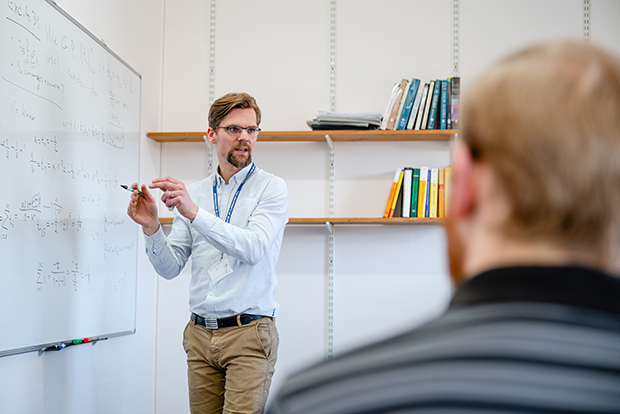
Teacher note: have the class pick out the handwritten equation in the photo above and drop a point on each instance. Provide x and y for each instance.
(35, 211)
(58, 275)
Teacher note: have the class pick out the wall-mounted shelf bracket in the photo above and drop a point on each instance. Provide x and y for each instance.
(330, 142)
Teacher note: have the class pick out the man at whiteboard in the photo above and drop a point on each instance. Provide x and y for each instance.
(232, 224)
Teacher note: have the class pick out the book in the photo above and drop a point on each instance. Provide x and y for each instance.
(388, 206)
(401, 106)
(422, 191)
(432, 114)
(446, 189)
(427, 106)
(388, 109)
(396, 193)
(420, 115)
(440, 194)
(427, 207)
(398, 208)
(433, 193)
(327, 125)
(396, 107)
(407, 178)
(443, 105)
(374, 117)
(416, 107)
(408, 105)
(455, 101)
(415, 183)
(449, 105)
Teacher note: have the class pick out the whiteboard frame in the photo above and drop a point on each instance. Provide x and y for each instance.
(101, 42)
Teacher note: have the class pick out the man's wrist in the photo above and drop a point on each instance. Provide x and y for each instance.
(152, 229)
(192, 216)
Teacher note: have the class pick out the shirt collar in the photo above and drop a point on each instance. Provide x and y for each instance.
(573, 286)
(238, 177)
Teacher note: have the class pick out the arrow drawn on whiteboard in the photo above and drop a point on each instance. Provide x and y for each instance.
(38, 96)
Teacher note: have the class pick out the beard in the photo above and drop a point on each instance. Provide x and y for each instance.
(239, 161)
(456, 251)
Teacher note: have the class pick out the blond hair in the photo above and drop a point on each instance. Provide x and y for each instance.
(547, 121)
(222, 107)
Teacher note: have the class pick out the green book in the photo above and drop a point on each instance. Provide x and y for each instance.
(415, 182)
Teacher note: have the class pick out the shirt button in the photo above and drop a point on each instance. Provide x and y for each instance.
(225, 192)
(210, 293)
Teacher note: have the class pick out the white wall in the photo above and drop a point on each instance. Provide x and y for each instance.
(387, 278)
(118, 375)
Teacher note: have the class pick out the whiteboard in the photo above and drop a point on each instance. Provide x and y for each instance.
(69, 136)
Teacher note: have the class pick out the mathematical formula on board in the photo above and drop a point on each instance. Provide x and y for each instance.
(69, 136)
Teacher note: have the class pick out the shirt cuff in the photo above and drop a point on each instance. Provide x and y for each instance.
(204, 221)
(156, 238)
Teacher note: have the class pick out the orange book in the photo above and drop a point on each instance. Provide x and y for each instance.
(392, 191)
(397, 192)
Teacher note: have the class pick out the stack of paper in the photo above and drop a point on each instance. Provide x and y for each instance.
(326, 120)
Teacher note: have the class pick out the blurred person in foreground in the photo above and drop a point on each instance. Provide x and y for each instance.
(533, 239)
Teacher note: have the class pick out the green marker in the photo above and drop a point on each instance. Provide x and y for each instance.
(76, 341)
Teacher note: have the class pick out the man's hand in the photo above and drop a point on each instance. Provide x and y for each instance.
(143, 210)
(175, 195)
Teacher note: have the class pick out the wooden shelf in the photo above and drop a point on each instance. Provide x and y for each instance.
(335, 135)
(346, 220)
(305, 136)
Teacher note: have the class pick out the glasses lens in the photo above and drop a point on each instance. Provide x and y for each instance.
(236, 130)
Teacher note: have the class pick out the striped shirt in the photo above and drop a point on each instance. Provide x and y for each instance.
(514, 340)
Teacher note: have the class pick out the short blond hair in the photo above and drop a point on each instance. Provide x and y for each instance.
(222, 107)
(547, 121)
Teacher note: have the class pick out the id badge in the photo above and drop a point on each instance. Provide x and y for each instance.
(220, 270)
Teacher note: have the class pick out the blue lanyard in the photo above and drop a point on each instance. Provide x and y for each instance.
(234, 200)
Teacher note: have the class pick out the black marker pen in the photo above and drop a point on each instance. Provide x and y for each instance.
(132, 189)
(57, 347)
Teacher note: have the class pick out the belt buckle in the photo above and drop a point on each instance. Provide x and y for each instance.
(211, 323)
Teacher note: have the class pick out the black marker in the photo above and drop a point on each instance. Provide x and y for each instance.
(132, 189)
(57, 347)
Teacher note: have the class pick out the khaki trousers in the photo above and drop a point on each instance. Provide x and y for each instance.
(229, 369)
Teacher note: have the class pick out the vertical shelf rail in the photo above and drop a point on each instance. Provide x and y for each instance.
(210, 157)
(586, 21)
(332, 104)
(332, 58)
(212, 55)
(330, 251)
(211, 163)
(455, 52)
(455, 38)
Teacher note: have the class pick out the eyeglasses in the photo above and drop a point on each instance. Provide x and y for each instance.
(235, 130)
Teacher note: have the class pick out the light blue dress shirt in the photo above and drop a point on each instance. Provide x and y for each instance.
(250, 243)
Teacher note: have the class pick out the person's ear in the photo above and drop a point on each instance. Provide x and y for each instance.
(463, 193)
(211, 135)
